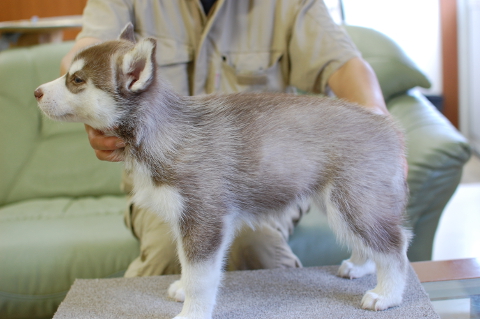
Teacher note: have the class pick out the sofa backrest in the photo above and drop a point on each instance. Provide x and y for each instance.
(41, 158)
(396, 72)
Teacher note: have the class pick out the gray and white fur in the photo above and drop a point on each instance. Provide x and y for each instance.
(207, 164)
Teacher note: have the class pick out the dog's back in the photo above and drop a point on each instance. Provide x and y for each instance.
(269, 149)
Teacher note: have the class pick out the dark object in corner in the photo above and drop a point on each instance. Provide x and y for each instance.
(437, 101)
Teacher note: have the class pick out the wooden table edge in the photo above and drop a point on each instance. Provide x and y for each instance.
(444, 270)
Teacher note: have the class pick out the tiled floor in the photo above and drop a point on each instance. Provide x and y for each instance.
(458, 235)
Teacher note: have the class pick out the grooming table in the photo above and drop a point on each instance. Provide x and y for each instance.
(314, 292)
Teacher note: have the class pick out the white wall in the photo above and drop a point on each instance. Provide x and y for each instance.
(469, 69)
(413, 24)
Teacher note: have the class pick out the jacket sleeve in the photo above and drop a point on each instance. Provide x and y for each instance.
(105, 19)
(317, 47)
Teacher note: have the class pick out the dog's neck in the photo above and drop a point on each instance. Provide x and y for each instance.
(154, 128)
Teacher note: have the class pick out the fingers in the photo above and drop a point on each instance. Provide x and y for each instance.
(107, 148)
(99, 141)
(109, 156)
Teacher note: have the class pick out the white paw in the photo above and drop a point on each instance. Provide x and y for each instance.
(182, 315)
(352, 271)
(177, 292)
(376, 302)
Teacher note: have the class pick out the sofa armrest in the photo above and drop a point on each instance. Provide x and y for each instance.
(436, 155)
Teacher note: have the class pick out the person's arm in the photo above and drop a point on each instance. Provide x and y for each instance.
(356, 82)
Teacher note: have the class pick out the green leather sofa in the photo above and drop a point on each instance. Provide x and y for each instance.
(61, 208)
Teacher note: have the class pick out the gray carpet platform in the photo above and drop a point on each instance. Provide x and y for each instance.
(281, 293)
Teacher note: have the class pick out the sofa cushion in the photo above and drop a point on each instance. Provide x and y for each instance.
(395, 71)
(46, 244)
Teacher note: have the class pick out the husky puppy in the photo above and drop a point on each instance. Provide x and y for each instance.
(207, 164)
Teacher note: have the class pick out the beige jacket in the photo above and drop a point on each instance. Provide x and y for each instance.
(266, 45)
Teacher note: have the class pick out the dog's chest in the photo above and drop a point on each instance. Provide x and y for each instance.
(164, 200)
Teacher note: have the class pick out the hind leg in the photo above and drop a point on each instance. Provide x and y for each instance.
(374, 230)
(391, 277)
(392, 269)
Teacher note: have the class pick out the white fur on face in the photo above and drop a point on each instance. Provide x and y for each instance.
(76, 66)
(91, 106)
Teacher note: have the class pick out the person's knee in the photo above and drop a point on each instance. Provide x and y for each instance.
(158, 254)
(263, 248)
(156, 258)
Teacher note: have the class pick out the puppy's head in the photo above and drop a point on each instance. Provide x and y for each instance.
(102, 83)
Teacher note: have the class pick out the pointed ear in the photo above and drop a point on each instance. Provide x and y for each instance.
(139, 65)
(127, 33)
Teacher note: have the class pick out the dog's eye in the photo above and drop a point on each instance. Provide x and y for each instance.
(77, 80)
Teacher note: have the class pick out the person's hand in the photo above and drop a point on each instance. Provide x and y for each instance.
(107, 148)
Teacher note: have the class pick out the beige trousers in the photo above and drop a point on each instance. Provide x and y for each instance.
(263, 248)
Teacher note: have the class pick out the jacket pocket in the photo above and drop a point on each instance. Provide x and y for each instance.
(252, 71)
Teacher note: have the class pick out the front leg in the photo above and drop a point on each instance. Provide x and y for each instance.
(176, 291)
(201, 249)
(198, 286)
(358, 265)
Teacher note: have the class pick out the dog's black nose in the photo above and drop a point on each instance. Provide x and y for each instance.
(38, 93)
